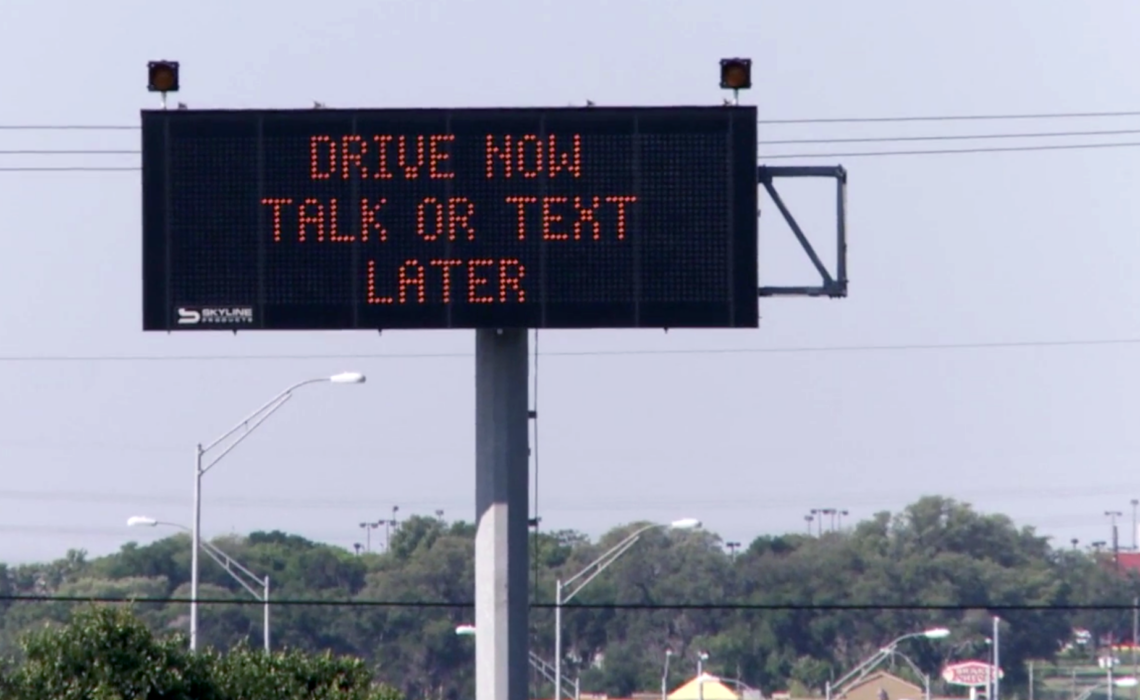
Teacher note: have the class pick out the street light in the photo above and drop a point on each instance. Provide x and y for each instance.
(593, 569)
(226, 562)
(860, 672)
(249, 424)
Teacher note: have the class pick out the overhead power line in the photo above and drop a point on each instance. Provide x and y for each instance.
(956, 151)
(906, 347)
(952, 118)
(948, 137)
(871, 139)
(782, 156)
(793, 120)
(358, 603)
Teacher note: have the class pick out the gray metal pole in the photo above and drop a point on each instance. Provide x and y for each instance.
(195, 535)
(997, 658)
(501, 503)
(1135, 635)
(558, 640)
(265, 633)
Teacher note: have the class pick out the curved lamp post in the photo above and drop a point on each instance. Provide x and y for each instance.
(591, 571)
(866, 666)
(248, 425)
(224, 560)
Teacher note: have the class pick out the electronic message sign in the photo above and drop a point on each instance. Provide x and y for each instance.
(623, 217)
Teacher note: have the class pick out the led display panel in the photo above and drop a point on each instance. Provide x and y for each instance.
(321, 219)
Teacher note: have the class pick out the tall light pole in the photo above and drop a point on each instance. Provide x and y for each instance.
(1135, 502)
(201, 466)
(997, 658)
(867, 665)
(665, 675)
(368, 528)
(1113, 515)
(224, 560)
(591, 571)
(702, 657)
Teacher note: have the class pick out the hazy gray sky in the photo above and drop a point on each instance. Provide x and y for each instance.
(944, 249)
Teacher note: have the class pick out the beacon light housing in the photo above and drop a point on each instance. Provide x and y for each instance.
(735, 73)
(162, 76)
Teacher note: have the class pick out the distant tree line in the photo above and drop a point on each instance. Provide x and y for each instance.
(781, 634)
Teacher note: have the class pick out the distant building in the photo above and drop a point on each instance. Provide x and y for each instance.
(883, 686)
(704, 687)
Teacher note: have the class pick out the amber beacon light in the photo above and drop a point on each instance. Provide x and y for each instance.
(736, 73)
(162, 76)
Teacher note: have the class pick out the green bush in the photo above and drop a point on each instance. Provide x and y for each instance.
(107, 653)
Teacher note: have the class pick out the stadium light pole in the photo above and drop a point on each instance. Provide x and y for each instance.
(201, 466)
(591, 572)
(232, 567)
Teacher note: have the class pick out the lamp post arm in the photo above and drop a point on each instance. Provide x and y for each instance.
(225, 562)
(266, 406)
(608, 557)
(860, 671)
(1087, 693)
(251, 423)
(595, 568)
(910, 662)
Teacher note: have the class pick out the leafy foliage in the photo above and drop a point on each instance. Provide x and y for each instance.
(935, 552)
(107, 653)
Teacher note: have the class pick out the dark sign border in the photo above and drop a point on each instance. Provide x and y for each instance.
(159, 312)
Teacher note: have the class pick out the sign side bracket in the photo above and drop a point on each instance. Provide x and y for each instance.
(835, 286)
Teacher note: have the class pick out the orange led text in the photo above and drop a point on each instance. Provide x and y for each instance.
(313, 219)
(529, 155)
(381, 157)
(559, 218)
(446, 280)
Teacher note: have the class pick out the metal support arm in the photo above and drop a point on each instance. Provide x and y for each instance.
(596, 567)
(235, 570)
(860, 672)
(830, 286)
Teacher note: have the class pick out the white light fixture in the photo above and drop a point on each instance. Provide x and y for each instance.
(141, 521)
(465, 629)
(685, 524)
(937, 633)
(1126, 682)
(348, 378)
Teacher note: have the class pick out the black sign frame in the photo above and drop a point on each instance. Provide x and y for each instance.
(194, 165)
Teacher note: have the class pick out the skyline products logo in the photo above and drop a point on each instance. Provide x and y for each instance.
(215, 315)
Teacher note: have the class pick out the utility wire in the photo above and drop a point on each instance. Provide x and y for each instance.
(809, 120)
(952, 118)
(956, 151)
(941, 137)
(783, 156)
(773, 142)
(358, 603)
(912, 347)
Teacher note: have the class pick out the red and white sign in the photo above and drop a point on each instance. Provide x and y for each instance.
(970, 673)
